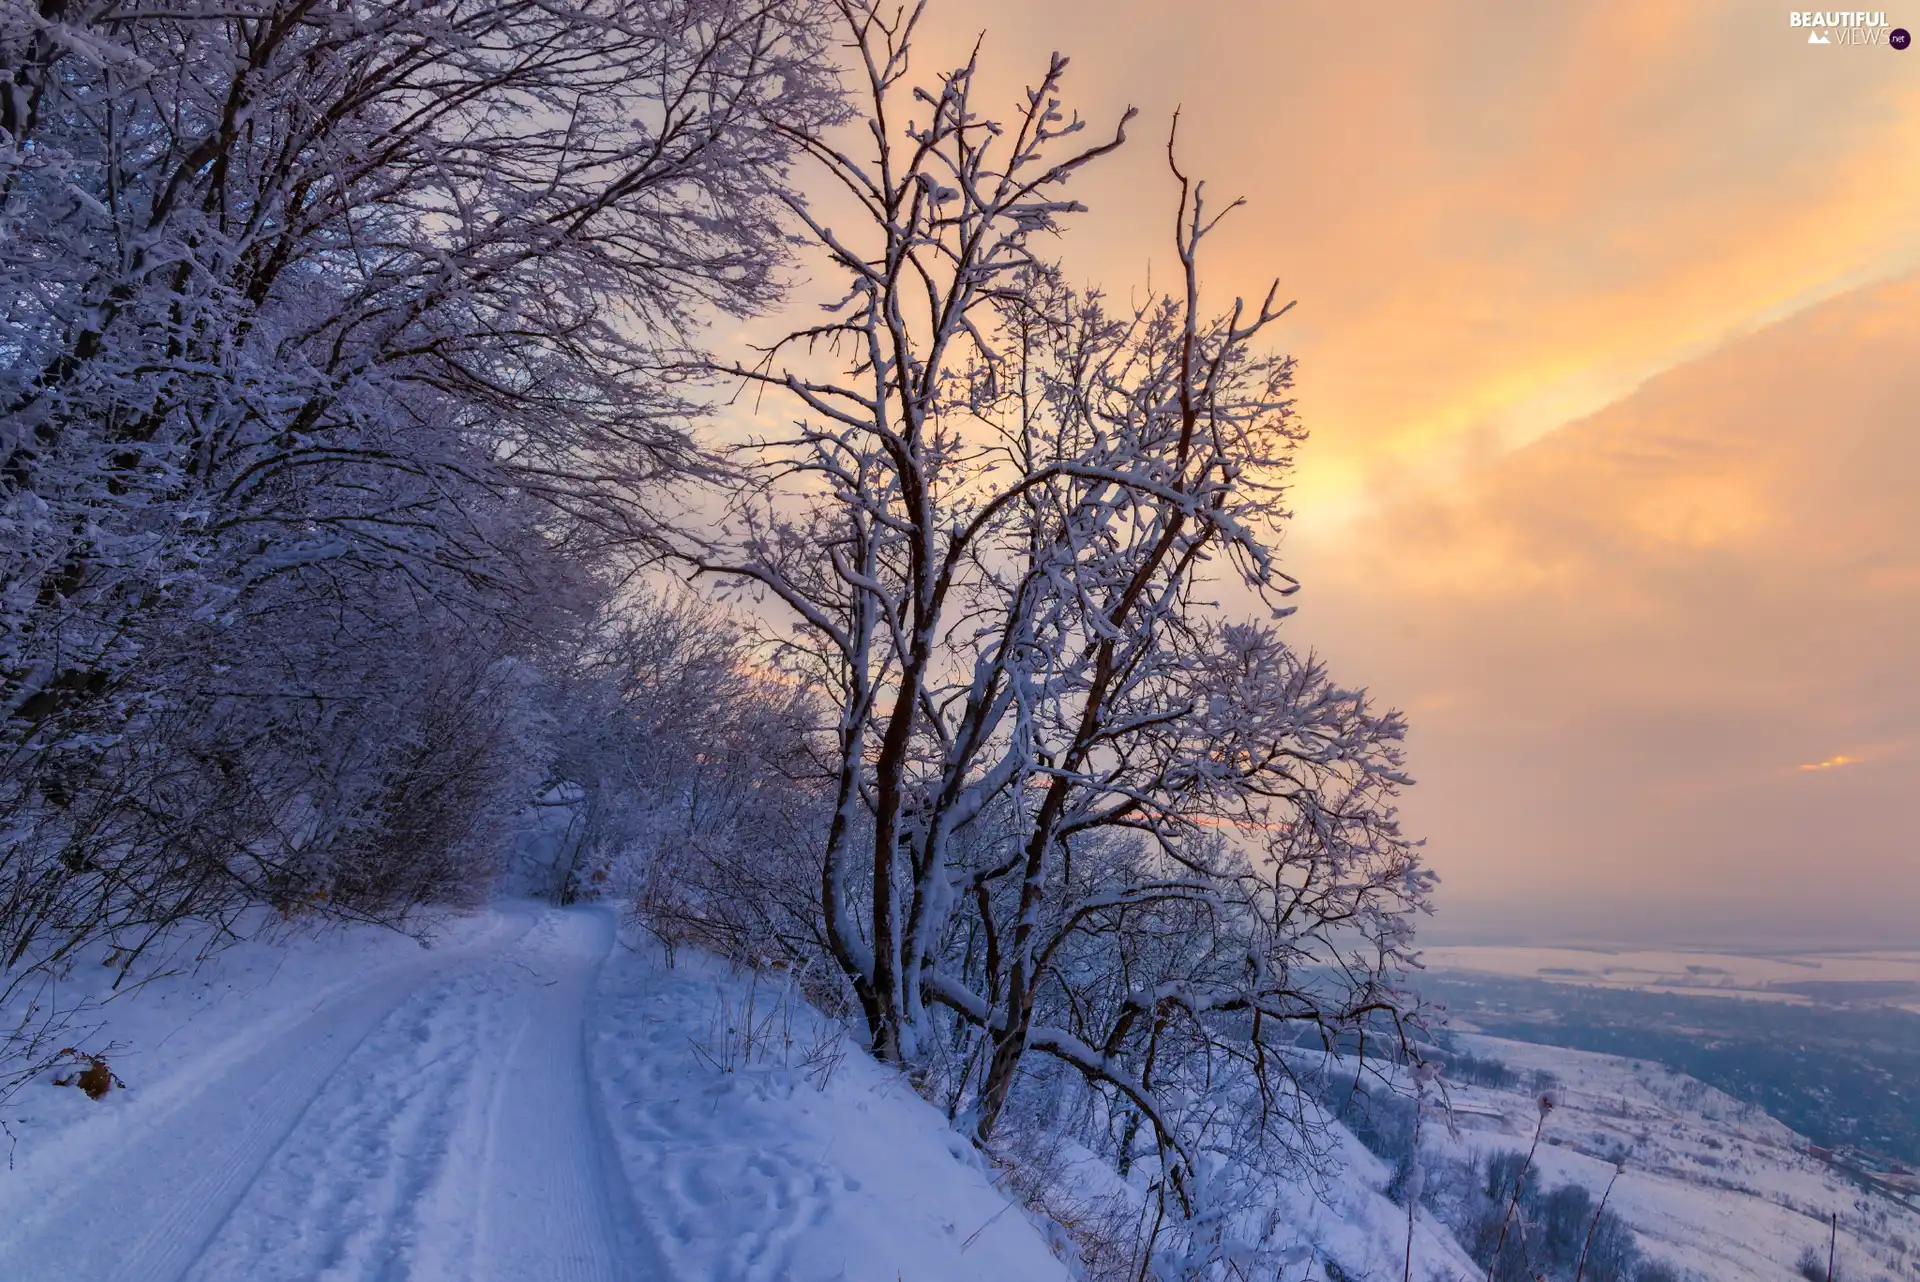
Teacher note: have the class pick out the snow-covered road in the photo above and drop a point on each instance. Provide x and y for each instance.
(436, 1123)
(500, 1109)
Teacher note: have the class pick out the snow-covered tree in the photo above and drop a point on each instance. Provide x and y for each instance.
(1080, 809)
(680, 775)
(336, 380)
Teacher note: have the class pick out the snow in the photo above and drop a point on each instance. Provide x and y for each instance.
(1351, 1220)
(526, 1100)
(535, 1096)
(1710, 1185)
(796, 1157)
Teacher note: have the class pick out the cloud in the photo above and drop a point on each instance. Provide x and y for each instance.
(1612, 475)
(1496, 218)
(1619, 631)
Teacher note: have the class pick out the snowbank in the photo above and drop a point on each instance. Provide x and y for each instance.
(761, 1146)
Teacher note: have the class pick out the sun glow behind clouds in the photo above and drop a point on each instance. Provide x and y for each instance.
(1645, 619)
(1609, 343)
(1497, 219)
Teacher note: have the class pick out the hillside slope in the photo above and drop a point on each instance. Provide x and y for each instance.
(1710, 1185)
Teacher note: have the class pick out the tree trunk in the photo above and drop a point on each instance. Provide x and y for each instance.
(1008, 1048)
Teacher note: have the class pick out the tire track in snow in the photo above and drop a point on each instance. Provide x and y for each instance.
(144, 1211)
(435, 1124)
(554, 1204)
(344, 1195)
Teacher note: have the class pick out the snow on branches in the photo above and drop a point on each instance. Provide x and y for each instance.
(336, 380)
(1080, 809)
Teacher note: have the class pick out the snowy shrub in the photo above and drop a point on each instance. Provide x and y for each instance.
(1812, 1265)
(1552, 1232)
(765, 1025)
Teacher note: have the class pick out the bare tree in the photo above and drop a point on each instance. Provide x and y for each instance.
(683, 775)
(1057, 767)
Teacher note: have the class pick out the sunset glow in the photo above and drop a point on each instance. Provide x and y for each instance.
(1609, 341)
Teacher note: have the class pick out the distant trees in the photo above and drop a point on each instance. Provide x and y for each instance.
(1521, 1228)
(683, 774)
(333, 396)
(1477, 1070)
(1076, 809)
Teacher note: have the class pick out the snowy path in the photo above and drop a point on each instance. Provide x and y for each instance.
(436, 1123)
(502, 1111)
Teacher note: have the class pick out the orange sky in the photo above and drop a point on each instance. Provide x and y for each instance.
(1609, 339)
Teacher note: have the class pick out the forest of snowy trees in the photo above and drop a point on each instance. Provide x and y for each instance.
(337, 407)
(363, 509)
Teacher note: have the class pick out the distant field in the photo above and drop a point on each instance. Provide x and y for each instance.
(1834, 1063)
(1708, 1184)
(1805, 978)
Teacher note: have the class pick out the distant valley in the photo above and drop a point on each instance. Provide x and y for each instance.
(1825, 1045)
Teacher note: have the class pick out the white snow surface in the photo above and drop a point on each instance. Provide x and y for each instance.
(1711, 1186)
(530, 1099)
